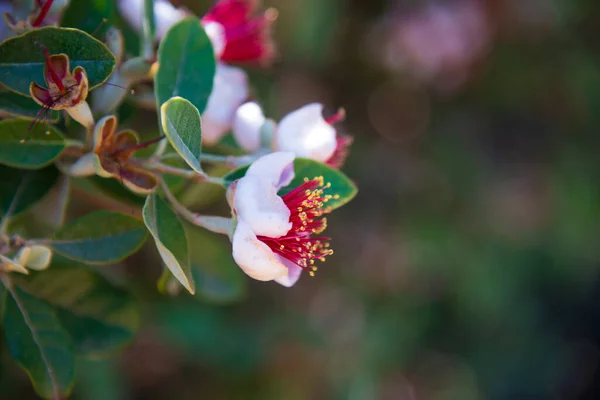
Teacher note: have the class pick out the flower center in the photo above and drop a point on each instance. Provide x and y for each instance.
(306, 204)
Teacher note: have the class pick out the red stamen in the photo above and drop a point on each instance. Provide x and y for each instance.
(104, 21)
(143, 145)
(131, 91)
(53, 73)
(306, 204)
(341, 151)
(337, 117)
(45, 8)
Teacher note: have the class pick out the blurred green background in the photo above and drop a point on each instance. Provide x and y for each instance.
(466, 268)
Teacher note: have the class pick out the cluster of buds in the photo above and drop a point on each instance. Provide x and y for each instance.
(305, 132)
(274, 236)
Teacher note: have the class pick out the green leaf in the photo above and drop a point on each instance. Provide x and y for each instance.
(88, 15)
(110, 187)
(22, 61)
(170, 239)
(341, 187)
(39, 344)
(101, 237)
(20, 189)
(98, 316)
(148, 30)
(187, 64)
(218, 278)
(181, 123)
(40, 148)
(16, 105)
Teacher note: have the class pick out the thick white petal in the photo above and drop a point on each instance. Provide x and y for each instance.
(165, 13)
(82, 167)
(212, 131)
(254, 257)
(166, 16)
(82, 114)
(39, 258)
(216, 34)
(229, 92)
(294, 272)
(306, 133)
(277, 167)
(132, 11)
(249, 118)
(256, 202)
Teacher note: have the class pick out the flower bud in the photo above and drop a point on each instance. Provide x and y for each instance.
(230, 89)
(306, 133)
(249, 119)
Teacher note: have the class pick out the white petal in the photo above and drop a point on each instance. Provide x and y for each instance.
(294, 272)
(216, 34)
(39, 258)
(165, 14)
(249, 119)
(82, 167)
(229, 91)
(254, 257)
(212, 131)
(132, 11)
(277, 167)
(306, 133)
(82, 114)
(256, 202)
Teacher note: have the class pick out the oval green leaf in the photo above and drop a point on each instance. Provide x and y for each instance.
(342, 188)
(39, 344)
(42, 144)
(181, 123)
(22, 61)
(101, 237)
(20, 189)
(187, 64)
(170, 239)
(98, 316)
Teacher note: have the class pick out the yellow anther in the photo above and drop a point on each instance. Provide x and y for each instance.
(311, 273)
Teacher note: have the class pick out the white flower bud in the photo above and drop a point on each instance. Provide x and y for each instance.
(249, 119)
(229, 91)
(306, 133)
